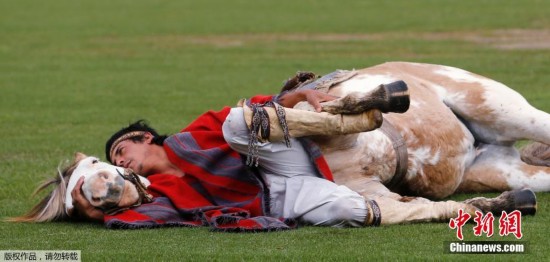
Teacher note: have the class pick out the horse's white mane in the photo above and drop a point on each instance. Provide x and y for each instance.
(52, 206)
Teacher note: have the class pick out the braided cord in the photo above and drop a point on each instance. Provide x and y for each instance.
(259, 128)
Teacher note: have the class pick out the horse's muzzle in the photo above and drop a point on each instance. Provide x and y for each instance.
(103, 189)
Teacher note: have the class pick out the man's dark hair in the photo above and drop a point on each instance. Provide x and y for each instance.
(140, 125)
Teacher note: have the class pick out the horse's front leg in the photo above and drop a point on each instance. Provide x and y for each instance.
(401, 210)
(413, 210)
(392, 97)
(396, 209)
(523, 200)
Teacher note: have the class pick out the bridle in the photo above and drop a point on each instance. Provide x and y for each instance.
(144, 197)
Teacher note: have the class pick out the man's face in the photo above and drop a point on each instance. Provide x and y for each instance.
(133, 155)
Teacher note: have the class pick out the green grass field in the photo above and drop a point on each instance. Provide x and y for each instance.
(73, 72)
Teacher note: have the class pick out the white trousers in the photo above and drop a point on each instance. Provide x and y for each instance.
(295, 190)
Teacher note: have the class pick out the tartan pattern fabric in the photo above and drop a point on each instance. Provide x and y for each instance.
(177, 204)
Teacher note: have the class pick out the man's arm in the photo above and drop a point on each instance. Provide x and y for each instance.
(313, 97)
(290, 99)
(82, 208)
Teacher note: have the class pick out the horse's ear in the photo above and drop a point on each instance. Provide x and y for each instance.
(79, 156)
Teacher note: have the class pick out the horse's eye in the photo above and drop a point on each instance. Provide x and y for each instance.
(95, 161)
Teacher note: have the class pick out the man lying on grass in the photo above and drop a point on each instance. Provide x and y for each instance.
(205, 159)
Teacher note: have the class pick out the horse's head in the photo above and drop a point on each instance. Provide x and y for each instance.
(107, 187)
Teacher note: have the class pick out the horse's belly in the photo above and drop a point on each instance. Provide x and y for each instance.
(439, 146)
(435, 172)
(359, 159)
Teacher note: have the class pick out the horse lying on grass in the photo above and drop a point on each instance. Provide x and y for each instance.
(457, 136)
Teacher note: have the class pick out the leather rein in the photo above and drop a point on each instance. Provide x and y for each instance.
(144, 197)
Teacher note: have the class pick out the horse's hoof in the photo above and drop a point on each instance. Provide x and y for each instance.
(525, 201)
(392, 97)
(398, 96)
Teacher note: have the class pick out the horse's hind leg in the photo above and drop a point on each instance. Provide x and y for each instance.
(494, 113)
(499, 168)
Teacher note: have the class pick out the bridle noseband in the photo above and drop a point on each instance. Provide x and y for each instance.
(144, 197)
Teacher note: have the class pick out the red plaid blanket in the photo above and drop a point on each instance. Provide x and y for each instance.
(176, 203)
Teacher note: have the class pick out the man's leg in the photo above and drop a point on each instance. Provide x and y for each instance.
(274, 158)
(300, 123)
(295, 190)
(319, 202)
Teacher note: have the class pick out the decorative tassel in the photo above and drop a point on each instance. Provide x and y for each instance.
(259, 128)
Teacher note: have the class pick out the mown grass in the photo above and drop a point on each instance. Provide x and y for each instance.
(72, 72)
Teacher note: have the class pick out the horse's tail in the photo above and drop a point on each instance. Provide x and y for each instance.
(537, 154)
(51, 207)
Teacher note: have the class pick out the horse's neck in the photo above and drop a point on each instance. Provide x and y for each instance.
(355, 157)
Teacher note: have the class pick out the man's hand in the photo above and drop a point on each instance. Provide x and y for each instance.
(313, 97)
(82, 207)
